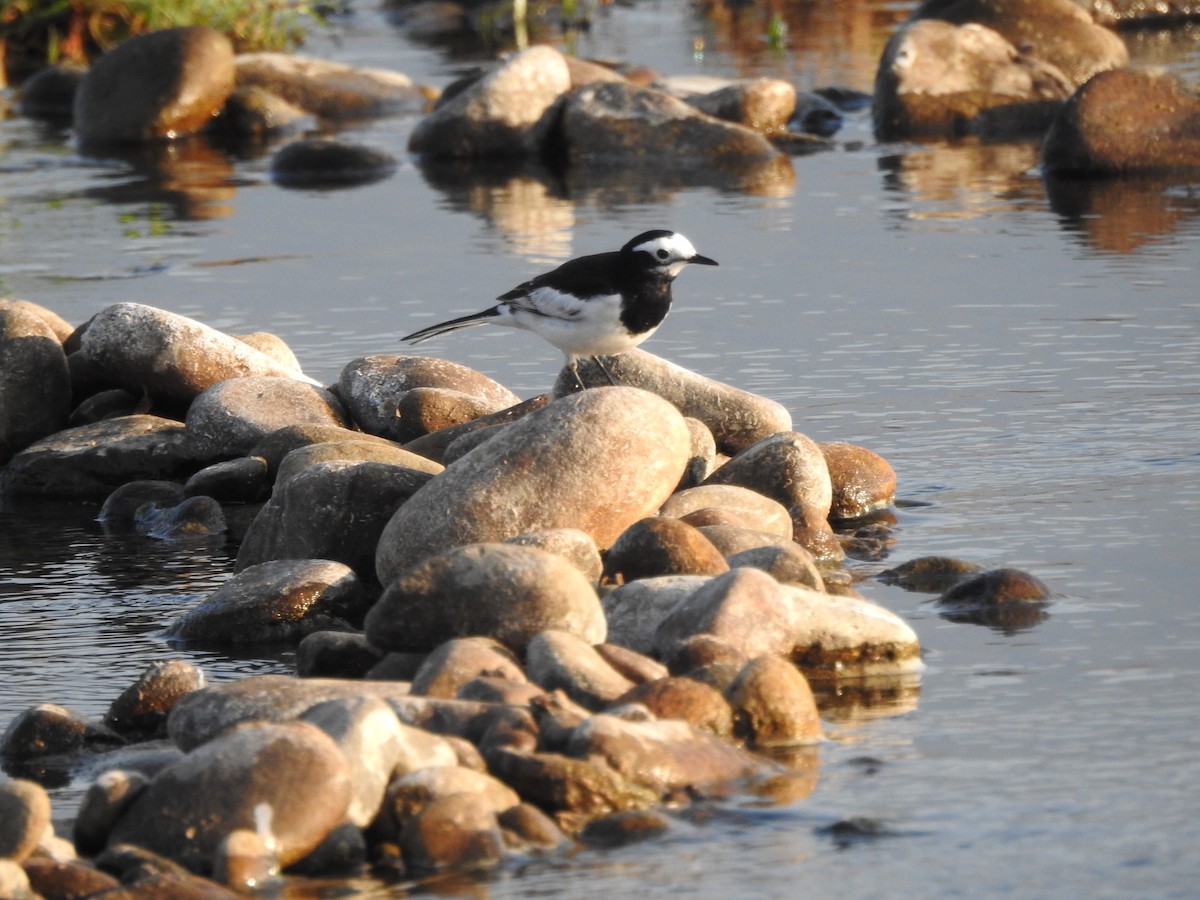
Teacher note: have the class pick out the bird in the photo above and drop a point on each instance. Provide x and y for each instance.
(598, 305)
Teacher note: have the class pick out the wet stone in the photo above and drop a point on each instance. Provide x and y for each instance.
(929, 574)
(142, 708)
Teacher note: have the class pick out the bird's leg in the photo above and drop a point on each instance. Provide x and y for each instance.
(604, 369)
(573, 365)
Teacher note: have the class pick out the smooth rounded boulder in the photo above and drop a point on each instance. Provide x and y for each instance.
(500, 591)
(735, 417)
(1126, 121)
(171, 356)
(292, 769)
(35, 385)
(230, 418)
(597, 461)
(156, 86)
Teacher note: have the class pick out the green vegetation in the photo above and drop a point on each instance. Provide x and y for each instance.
(35, 33)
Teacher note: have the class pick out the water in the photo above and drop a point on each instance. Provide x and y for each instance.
(1028, 361)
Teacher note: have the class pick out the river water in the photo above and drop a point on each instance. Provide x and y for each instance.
(1026, 356)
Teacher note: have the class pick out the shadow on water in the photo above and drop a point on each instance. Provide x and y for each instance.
(1124, 215)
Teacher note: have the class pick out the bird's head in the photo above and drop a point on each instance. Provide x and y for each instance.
(664, 253)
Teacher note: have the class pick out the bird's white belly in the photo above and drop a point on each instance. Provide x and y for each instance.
(582, 328)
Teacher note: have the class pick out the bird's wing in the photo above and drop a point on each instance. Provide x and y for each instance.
(562, 292)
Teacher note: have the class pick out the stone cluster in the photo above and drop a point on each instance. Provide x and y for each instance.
(518, 623)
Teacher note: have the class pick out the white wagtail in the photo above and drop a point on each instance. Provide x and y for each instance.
(593, 306)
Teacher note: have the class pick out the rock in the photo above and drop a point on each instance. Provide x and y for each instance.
(67, 880)
(163, 84)
(1126, 121)
(745, 608)
(527, 826)
(424, 410)
(624, 828)
(661, 546)
(194, 517)
(996, 587)
(330, 510)
(253, 115)
(597, 461)
(834, 636)
(142, 708)
(456, 441)
(276, 446)
(14, 882)
(275, 602)
(489, 689)
(929, 574)
(458, 661)
(245, 861)
(613, 123)
(748, 507)
(230, 418)
(634, 610)
(243, 480)
(508, 112)
(24, 817)
(201, 715)
(293, 769)
(556, 660)
(707, 658)
(50, 730)
(372, 387)
(1056, 32)
(635, 666)
(61, 328)
(663, 756)
(773, 704)
(329, 162)
(580, 788)
(455, 832)
(109, 404)
(762, 104)
(862, 480)
(335, 654)
(35, 386)
(328, 89)
(704, 455)
(790, 469)
(171, 356)
(372, 741)
(103, 804)
(125, 509)
(273, 346)
(736, 418)
(414, 790)
(573, 545)
(499, 591)
(788, 564)
(49, 94)
(674, 697)
(816, 114)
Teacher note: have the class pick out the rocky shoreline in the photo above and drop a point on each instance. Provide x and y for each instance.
(519, 624)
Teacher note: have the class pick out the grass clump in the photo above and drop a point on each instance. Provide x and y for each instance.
(36, 33)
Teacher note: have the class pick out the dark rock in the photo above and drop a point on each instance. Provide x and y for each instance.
(661, 546)
(108, 404)
(527, 826)
(242, 480)
(142, 708)
(328, 162)
(50, 730)
(69, 879)
(35, 386)
(194, 517)
(127, 507)
(929, 574)
(103, 804)
(762, 104)
(1126, 121)
(275, 602)
(159, 85)
(580, 788)
(253, 114)
(292, 768)
(335, 654)
(997, 587)
(455, 832)
(49, 94)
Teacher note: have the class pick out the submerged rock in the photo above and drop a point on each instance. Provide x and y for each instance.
(328, 162)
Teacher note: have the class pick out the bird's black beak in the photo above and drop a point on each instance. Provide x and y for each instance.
(703, 260)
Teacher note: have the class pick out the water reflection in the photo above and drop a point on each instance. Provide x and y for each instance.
(191, 178)
(1123, 215)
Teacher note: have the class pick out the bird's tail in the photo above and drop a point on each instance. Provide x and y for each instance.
(453, 325)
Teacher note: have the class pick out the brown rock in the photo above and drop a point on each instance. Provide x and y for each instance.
(862, 480)
(454, 832)
(24, 817)
(691, 701)
(461, 660)
(556, 660)
(661, 546)
(763, 104)
(749, 508)
(35, 386)
(163, 84)
(142, 708)
(773, 704)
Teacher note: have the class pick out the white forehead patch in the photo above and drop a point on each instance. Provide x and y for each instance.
(677, 247)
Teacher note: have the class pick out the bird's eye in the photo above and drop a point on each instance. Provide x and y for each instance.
(661, 254)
